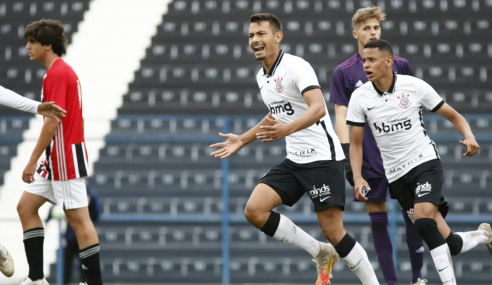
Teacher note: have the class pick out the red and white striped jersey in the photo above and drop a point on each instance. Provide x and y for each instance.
(66, 156)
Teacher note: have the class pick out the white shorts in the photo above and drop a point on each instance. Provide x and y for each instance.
(70, 193)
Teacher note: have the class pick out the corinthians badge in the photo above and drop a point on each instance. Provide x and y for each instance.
(279, 87)
(405, 103)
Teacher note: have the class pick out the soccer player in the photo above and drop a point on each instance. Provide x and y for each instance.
(392, 106)
(47, 109)
(347, 77)
(59, 178)
(314, 164)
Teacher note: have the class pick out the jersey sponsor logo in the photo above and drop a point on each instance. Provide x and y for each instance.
(405, 103)
(321, 192)
(423, 189)
(310, 152)
(359, 84)
(370, 108)
(406, 164)
(279, 87)
(394, 126)
(427, 187)
(279, 107)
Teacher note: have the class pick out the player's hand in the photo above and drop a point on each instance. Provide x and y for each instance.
(348, 168)
(232, 145)
(275, 132)
(472, 146)
(51, 110)
(28, 174)
(360, 187)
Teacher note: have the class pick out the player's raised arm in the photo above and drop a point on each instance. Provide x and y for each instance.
(234, 142)
(462, 126)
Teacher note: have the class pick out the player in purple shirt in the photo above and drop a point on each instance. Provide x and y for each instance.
(347, 77)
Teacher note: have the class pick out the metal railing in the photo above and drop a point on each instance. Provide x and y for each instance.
(225, 219)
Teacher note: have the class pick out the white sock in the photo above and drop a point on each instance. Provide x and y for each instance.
(444, 265)
(473, 238)
(288, 232)
(358, 263)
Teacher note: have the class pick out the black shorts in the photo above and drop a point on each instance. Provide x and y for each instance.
(421, 184)
(324, 181)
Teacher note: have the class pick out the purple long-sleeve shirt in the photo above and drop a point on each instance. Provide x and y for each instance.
(347, 77)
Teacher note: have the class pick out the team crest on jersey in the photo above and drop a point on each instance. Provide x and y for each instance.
(279, 87)
(405, 103)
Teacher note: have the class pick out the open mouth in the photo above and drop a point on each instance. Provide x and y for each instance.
(259, 49)
(368, 73)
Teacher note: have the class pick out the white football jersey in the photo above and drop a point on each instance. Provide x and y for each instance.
(282, 90)
(396, 121)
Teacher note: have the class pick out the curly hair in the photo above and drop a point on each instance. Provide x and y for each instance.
(48, 32)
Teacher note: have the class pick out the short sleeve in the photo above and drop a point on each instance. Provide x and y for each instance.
(55, 89)
(306, 78)
(355, 113)
(429, 97)
(338, 92)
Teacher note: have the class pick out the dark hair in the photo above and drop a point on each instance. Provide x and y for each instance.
(270, 18)
(48, 32)
(382, 45)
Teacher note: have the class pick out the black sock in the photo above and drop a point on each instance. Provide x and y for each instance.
(345, 246)
(455, 243)
(271, 224)
(33, 244)
(429, 232)
(90, 263)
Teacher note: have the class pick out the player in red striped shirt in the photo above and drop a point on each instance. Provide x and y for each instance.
(59, 178)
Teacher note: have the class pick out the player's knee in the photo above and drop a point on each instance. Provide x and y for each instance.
(254, 215)
(75, 221)
(429, 232)
(23, 210)
(455, 244)
(424, 225)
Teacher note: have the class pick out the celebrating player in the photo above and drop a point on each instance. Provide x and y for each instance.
(392, 106)
(314, 163)
(347, 77)
(59, 178)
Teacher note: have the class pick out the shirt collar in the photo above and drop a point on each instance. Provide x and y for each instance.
(275, 64)
(391, 89)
